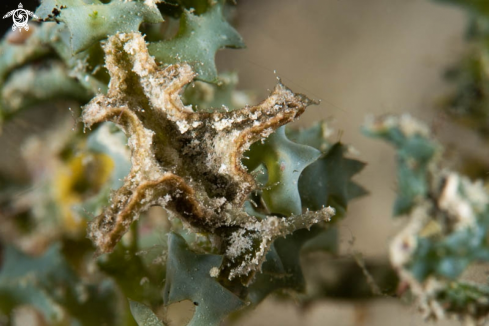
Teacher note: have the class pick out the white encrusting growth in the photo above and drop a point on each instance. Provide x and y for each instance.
(265, 232)
(214, 272)
(239, 242)
(451, 210)
(406, 123)
(204, 146)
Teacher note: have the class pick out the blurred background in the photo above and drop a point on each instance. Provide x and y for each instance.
(359, 58)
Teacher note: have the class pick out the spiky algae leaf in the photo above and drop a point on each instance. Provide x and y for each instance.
(143, 315)
(197, 41)
(188, 277)
(50, 285)
(285, 161)
(90, 23)
(328, 181)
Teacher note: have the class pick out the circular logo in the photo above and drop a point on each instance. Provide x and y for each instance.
(20, 17)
